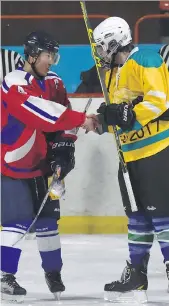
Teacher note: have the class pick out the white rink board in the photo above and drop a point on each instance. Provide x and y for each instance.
(92, 187)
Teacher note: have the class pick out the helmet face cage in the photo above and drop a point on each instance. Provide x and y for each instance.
(107, 51)
(104, 50)
(110, 48)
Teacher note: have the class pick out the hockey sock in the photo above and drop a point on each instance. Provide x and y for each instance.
(10, 254)
(161, 226)
(140, 237)
(48, 240)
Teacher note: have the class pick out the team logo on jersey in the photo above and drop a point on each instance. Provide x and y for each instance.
(21, 90)
(151, 208)
(57, 209)
(56, 82)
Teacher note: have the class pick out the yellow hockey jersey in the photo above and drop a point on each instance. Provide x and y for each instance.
(143, 74)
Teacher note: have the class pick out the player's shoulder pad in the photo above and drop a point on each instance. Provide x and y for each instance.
(55, 78)
(16, 77)
(147, 58)
(52, 75)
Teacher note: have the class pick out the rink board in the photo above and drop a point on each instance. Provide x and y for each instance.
(93, 225)
(92, 202)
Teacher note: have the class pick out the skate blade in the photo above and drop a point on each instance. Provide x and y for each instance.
(135, 296)
(12, 298)
(57, 295)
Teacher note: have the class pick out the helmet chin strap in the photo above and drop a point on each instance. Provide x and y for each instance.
(112, 63)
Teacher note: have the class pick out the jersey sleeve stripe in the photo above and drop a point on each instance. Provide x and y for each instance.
(40, 112)
(156, 93)
(152, 107)
(5, 86)
(4, 89)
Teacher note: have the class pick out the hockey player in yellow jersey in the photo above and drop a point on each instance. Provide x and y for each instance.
(139, 97)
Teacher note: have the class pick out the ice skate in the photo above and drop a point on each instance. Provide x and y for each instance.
(55, 284)
(11, 290)
(132, 285)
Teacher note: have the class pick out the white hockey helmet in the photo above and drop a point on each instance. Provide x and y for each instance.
(110, 35)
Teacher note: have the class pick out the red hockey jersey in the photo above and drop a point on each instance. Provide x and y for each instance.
(29, 108)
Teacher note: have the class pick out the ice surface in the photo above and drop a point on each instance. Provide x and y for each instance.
(90, 261)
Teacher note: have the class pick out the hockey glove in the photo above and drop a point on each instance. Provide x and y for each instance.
(117, 114)
(61, 153)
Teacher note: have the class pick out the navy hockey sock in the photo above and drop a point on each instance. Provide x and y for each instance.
(161, 226)
(140, 237)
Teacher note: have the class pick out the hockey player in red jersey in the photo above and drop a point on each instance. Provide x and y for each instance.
(38, 133)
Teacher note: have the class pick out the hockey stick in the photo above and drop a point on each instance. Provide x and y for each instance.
(107, 100)
(86, 109)
(54, 180)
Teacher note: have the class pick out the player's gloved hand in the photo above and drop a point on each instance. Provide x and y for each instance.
(118, 114)
(61, 153)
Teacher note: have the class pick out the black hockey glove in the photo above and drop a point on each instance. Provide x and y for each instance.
(61, 153)
(117, 114)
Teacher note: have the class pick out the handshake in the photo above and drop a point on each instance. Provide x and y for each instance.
(91, 123)
(94, 122)
(121, 115)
